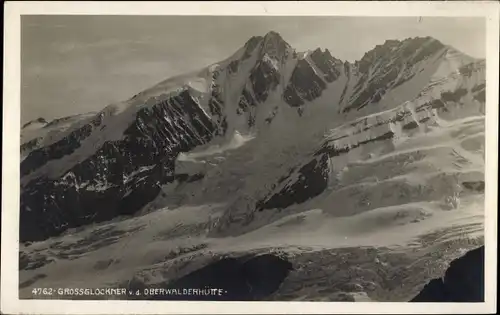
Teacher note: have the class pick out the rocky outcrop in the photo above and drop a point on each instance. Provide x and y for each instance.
(479, 92)
(274, 46)
(119, 178)
(463, 281)
(327, 64)
(30, 145)
(305, 85)
(388, 66)
(216, 104)
(264, 79)
(40, 120)
(246, 101)
(250, 46)
(57, 150)
(310, 181)
(233, 279)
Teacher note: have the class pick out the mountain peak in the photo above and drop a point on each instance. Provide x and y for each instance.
(415, 48)
(274, 45)
(273, 34)
(319, 51)
(275, 37)
(271, 44)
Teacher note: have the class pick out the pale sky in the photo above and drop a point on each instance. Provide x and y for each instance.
(76, 64)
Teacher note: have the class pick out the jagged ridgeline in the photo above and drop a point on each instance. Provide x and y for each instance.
(94, 167)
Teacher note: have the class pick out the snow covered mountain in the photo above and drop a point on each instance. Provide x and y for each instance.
(270, 138)
(94, 169)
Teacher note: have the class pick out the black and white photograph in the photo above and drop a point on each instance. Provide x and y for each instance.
(252, 158)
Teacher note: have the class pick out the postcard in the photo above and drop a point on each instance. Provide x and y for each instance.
(250, 157)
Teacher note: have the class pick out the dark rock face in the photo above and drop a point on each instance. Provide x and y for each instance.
(390, 66)
(239, 279)
(313, 180)
(479, 92)
(274, 46)
(343, 94)
(326, 63)
(462, 282)
(374, 90)
(216, 105)
(304, 85)
(178, 136)
(454, 96)
(475, 186)
(250, 45)
(30, 145)
(264, 78)
(380, 51)
(410, 125)
(233, 66)
(121, 177)
(333, 151)
(49, 207)
(57, 150)
(480, 96)
(478, 87)
(468, 69)
(266, 74)
(246, 101)
(347, 70)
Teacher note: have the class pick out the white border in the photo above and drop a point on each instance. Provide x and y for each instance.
(10, 302)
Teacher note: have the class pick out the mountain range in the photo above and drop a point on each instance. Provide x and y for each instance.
(271, 138)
